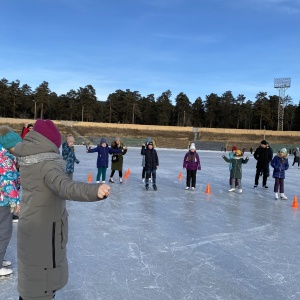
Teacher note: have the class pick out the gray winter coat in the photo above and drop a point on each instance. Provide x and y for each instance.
(43, 223)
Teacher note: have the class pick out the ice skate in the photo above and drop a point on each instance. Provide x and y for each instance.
(265, 187)
(187, 188)
(5, 272)
(240, 191)
(111, 180)
(6, 263)
(255, 186)
(276, 196)
(283, 196)
(231, 190)
(154, 187)
(193, 188)
(147, 186)
(121, 180)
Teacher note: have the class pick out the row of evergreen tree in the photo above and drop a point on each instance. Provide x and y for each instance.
(225, 111)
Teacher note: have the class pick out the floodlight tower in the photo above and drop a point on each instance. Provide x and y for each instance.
(281, 84)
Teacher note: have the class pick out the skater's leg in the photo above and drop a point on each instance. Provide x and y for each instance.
(103, 171)
(257, 176)
(98, 174)
(154, 177)
(281, 185)
(194, 172)
(188, 178)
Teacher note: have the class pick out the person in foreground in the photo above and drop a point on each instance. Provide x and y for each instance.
(43, 225)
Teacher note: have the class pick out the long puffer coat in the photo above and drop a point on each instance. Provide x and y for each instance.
(43, 224)
(118, 165)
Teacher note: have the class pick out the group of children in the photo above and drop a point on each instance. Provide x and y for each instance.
(264, 157)
(191, 162)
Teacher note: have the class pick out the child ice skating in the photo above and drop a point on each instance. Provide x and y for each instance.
(9, 192)
(117, 160)
(149, 139)
(236, 170)
(102, 160)
(231, 155)
(68, 154)
(191, 163)
(280, 163)
(151, 164)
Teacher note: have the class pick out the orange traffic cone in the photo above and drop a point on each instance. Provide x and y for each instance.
(207, 191)
(180, 175)
(128, 171)
(295, 202)
(90, 177)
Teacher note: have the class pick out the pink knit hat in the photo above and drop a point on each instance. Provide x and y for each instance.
(48, 129)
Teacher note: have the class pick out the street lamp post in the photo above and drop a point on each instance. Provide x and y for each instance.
(34, 109)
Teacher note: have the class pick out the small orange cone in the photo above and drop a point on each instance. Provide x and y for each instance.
(295, 202)
(90, 177)
(207, 191)
(128, 171)
(180, 175)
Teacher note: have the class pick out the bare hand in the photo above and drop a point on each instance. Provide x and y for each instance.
(103, 191)
(17, 209)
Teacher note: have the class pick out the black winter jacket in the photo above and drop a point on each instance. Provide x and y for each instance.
(151, 158)
(263, 157)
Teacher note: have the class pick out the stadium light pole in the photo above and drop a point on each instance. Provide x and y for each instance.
(281, 84)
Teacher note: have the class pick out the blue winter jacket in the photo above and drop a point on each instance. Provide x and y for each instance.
(280, 164)
(103, 154)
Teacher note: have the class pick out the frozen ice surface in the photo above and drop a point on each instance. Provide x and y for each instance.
(177, 244)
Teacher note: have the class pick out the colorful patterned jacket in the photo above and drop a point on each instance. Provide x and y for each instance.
(9, 179)
(69, 156)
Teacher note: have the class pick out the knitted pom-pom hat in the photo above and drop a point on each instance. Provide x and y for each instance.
(48, 129)
(9, 138)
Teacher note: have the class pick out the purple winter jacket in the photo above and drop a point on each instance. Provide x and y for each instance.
(191, 161)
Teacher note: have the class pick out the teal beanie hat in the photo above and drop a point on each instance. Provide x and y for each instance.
(8, 138)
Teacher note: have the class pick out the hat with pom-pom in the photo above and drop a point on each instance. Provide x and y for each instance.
(49, 130)
(9, 138)
(192, 146)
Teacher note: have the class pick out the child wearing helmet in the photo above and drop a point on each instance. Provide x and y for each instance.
(280, 164)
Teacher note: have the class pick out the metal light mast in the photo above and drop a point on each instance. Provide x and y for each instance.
(281, 84)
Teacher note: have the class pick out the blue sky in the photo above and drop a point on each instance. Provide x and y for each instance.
(191, 46)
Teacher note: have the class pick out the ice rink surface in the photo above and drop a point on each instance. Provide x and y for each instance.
(177, 244)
